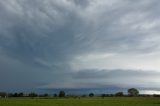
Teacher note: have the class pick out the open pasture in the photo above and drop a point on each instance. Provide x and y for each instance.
(95, 101)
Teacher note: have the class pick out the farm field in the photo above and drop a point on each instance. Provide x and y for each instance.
(95, 101)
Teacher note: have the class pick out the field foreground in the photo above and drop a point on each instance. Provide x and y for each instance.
(108, 101)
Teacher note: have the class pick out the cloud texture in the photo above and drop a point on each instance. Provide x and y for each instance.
(79, 43)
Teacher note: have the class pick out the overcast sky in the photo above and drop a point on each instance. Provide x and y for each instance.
(79, 44)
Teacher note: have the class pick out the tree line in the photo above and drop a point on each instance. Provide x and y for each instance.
(32, 94)
(132, 92)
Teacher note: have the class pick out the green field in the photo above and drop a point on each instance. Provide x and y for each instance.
(108, 101)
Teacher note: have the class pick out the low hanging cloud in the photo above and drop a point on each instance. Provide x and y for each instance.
(94, 78)
(56, 43)
(119, 78)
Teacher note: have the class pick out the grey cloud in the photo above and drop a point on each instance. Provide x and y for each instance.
(44, 36)
(119, 78)
(94, 78)
(106, 33)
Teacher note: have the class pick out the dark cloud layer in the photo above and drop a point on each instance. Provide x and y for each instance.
(119, 78)
(40, 41)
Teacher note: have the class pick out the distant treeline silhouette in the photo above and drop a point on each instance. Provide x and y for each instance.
(132, 92)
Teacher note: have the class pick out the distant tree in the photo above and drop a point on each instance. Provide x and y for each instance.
(10, 94)
(91, 94)
(83, 95)
(55, 95)
(156, 95)
(32, 94)
(20, 94)
(133, 92)
(103, 95)
(119, 94)
(15, 95)
(45, 95)
(3, 94)
(61, 93)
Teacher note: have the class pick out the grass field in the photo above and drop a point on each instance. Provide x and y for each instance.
(108, 101)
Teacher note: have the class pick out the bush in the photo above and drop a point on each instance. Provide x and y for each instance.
(55, 95)
(119, 94)
(3, 94)
(91, 94)
(156, 95)
(62, 93)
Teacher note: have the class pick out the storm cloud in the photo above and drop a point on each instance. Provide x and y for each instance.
(79, 43)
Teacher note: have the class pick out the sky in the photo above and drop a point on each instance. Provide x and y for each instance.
(79, 44)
